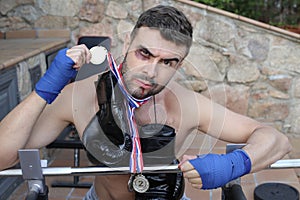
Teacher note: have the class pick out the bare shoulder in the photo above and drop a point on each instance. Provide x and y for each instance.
(190, 103)
(185, 95)
(207, 116)
(84, 101)
(75, 104)
(178, 89)
(197, 110)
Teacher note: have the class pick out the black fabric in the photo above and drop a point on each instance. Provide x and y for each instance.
(107, 141)
(163, 186)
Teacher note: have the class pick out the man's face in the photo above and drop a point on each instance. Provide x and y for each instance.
(150, 63)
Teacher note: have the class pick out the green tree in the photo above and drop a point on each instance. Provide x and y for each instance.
(275, 12)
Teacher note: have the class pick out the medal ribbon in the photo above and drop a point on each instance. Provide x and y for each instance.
(136, 159)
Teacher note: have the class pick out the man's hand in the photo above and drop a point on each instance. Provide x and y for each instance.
(215, 170)
(80, 55)
(189, 172)
(62, 70)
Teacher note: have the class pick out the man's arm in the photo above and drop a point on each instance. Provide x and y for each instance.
(264, 146)
(17, 129)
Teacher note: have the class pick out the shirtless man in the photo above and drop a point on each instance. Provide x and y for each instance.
(151, 57)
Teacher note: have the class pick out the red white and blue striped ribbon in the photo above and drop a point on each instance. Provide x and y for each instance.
(136, 159)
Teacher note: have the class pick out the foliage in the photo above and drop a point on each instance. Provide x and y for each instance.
(276, 12)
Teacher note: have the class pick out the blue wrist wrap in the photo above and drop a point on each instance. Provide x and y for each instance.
(56, 77)
(216, 170)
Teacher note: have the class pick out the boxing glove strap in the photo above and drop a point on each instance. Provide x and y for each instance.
(216, 170)
(58, 75)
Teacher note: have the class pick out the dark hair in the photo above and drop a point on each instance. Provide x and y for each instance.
(172, 24)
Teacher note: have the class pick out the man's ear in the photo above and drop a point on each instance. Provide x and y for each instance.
(126, 44)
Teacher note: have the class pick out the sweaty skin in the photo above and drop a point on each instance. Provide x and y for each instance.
(150, 65)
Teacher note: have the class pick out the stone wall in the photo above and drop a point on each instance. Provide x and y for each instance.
(25, 84)
(250, 69)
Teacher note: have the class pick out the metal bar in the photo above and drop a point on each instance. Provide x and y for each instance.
(287, 163)
(62, 171)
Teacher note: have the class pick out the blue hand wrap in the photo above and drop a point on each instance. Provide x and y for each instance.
(56, 77)
(216, 170)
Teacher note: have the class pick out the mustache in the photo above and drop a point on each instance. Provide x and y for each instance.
(145, 78)
(142, 77)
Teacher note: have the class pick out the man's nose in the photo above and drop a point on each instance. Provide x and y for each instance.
(151, 69)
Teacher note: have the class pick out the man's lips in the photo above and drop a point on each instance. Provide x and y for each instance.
(143, 84)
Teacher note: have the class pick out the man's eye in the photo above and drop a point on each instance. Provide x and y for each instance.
(170, 63)
(166, 62)
(144, 53)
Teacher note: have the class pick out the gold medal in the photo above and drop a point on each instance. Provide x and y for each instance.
(140, 183)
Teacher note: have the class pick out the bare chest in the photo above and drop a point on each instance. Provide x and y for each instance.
(161, 111)
(158, 111)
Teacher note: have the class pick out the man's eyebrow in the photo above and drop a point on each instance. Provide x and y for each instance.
(146, 49)
(171, 59)
(151, 54)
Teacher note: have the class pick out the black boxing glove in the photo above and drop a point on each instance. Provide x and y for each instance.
(104, 140)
